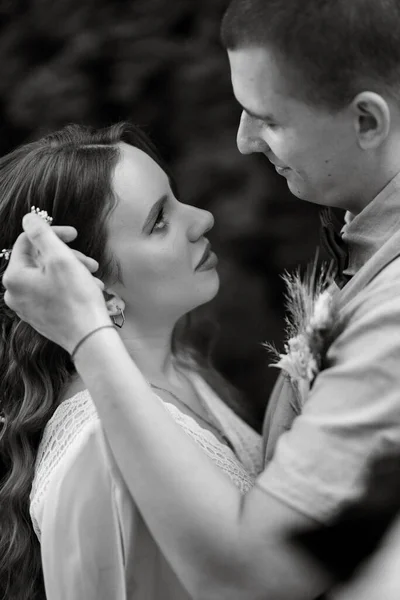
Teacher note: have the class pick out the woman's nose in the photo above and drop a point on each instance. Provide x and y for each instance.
(249, 138)
(202, 222)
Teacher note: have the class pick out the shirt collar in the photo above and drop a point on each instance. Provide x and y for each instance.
(366, 232)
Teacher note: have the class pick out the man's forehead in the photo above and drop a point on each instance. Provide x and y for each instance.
(260, 84)
(247, 63)
(256, 70)
(250, 87)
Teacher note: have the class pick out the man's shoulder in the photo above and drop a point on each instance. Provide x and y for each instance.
(390, 272)
(378, 281)
(383, 286)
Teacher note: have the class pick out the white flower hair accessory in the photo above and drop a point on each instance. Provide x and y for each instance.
(309, 326)
(6, 252)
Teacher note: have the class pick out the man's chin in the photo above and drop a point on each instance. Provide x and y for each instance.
(303, 194)
(297, 191)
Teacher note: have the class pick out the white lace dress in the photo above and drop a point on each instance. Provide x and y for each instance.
(94, 543)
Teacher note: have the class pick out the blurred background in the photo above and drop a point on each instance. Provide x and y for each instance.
(160, 64)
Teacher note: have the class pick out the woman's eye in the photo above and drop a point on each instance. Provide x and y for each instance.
(160, 223)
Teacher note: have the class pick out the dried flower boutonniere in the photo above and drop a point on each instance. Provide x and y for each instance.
(311, 316)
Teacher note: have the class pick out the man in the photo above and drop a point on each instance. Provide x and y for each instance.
(320, 95)
(319, 85)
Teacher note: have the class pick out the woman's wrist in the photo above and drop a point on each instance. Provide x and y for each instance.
(95, 339)
(78, 324)
(85, 337)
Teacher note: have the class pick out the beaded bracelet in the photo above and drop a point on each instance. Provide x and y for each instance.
(79, 344)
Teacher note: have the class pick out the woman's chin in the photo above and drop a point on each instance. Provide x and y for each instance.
(216, 286)
(208, 289)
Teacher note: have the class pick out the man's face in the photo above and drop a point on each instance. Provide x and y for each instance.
(314, 149)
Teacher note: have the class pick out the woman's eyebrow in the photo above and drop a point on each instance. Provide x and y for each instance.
(155, 209)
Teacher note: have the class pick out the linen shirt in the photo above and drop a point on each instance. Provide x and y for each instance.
(317, 456)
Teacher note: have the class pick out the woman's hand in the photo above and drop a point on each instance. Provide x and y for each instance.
(51, 286)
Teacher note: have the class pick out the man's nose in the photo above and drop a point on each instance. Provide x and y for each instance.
(249, 137)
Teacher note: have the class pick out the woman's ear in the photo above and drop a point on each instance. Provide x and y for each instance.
(371, 119)
(115, 304)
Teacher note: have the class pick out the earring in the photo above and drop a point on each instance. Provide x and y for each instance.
(121, 314)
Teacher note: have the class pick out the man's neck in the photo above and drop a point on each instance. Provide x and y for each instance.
(371, 189)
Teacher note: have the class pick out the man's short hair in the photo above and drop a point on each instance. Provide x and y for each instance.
(337, 47)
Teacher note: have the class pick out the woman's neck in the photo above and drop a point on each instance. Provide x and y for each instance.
(151, 352)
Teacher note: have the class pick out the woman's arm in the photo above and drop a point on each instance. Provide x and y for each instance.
(220, 544)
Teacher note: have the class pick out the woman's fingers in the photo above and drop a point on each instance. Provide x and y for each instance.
(90, 263)
(66, 233)
(39, 235)
(99, 283)
(43, 238)
(38, 240)
(51, 287)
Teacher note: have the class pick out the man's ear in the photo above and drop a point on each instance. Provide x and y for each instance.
(371, 119)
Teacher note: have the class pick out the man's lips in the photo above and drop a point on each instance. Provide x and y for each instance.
(280, 170)
(280, 167)
(277, 166)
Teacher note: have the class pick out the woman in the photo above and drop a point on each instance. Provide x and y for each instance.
(57, 468)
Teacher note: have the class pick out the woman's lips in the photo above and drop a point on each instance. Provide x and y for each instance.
(210, 262)
(204, 257)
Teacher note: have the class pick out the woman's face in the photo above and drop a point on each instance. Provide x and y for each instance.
(158, 242)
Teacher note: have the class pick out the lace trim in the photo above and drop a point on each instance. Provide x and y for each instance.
(222, 455)
(74, 415)
(247, 442)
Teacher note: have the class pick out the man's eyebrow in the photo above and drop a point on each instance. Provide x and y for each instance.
(155, 209)
(259, 117)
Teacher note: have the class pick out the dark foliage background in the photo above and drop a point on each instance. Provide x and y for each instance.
(159, 63)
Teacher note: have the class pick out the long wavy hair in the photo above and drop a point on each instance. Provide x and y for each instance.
(68, 174)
